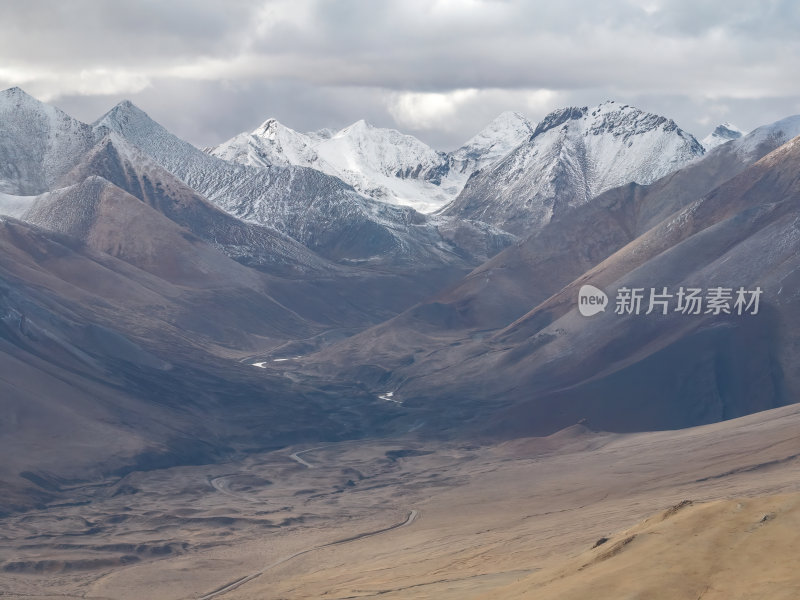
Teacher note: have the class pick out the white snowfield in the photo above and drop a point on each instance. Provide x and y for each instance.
(382, 164)
(16, 206)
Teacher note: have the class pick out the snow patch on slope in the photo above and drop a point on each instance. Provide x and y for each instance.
(15, 206)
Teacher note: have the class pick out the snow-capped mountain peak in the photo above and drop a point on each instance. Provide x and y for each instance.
(493, 142)
(364, 147)
(18, 94)
(168, 150)
(271, 143)
(574, 154)
(320, 134)
(360, 125)
(723, 133)
(125, 112)
(268, 127)
(502, 126)
(380, 163)
(38, 143)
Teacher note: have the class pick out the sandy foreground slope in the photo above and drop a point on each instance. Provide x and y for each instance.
(740, 548)
(413, 518)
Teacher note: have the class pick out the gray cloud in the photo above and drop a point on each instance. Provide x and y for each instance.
(440, 69)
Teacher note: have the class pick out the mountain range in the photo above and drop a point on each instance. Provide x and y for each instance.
(382, 164)
(180, 305)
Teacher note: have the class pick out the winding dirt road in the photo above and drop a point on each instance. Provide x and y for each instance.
(232, 585)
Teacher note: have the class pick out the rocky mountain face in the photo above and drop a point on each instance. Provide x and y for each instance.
(573, 155)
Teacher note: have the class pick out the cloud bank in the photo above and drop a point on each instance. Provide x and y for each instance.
(440, 69)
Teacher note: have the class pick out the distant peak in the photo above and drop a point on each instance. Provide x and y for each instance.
(728, 128)
(359, 125)
(721, 134)
(19, 94)
(124, 114)
(504, 124)
(510, 116)
(613, 118)
(126, 106)
(359, 128)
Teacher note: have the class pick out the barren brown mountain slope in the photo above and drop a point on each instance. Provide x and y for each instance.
(555, 365)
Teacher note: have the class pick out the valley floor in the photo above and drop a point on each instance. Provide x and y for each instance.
(576, 515)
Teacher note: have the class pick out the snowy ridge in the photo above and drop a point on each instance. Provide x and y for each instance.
(270, 144)
(573, 155)
(382, 164)
(722, 134)
(776, 134)
(323, 189)
(318, 210)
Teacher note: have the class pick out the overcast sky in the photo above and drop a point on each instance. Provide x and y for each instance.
(440, 69)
